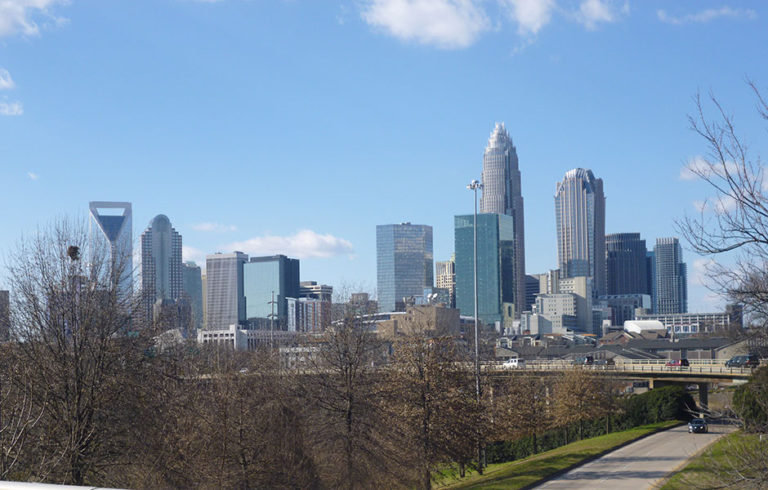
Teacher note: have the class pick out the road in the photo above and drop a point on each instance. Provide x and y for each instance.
(642, 463)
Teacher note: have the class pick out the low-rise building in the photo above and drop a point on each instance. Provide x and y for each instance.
(244, 340)
(421, 319)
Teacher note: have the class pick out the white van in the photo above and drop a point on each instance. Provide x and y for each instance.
(513, 363)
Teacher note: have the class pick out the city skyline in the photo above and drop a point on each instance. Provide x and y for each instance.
(232, 108)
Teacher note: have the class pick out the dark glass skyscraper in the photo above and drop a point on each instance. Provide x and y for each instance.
(502, 195)
(626, 264)
(580, 216)
(161, 269)
(193, 289)
(404, 263)
(495, 265)
(671, 277)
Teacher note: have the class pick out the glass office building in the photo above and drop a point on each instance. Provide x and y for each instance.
(580, 217)
(193, 289)
(626, 264)
(495, 266)
(263, 276)
(404, 263)
(161, 269)
(111, 227)
(671, 277)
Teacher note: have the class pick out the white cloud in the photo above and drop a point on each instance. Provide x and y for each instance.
(593, 12)
(725, 204)
(11, 108)
(304, 244)
(194, 254)
(695, 166)
(701, 268)
(447, 24)
(19, 16)
(453, 24)
(32, 175)
(698, 167)
(707, 15)
(6, 82)
(530, 16)
(214, 227)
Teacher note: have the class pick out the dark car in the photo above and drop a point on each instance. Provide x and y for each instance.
(743, 361)
(698, 425)
(678, 363)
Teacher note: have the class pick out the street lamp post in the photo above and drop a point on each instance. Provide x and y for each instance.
(272, 322)
(474, 186)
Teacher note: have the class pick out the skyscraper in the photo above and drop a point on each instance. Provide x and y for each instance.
(161, 269)
(445, 278)
(671, 277)
(650, 261)
(193, 289)
(5, 316)
(404, 263)
(502, 195)
(495, 267)
(532, 288)
(114, 231)
(225, 301)
(626, 264)
(580, 216)
(263, 276)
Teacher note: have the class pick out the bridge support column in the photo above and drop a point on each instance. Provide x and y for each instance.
(704, 396)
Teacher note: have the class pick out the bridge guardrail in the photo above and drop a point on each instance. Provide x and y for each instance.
(634, 367)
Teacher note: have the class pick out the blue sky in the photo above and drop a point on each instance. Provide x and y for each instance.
(297, 126)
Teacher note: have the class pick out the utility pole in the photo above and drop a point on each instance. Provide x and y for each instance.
(272, 323)
(474, 186)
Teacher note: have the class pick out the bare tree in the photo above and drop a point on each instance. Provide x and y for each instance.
(339, 386)
(735, 222)
(431, 402)
(736, 218)
(70, 320)
(523, 408)
(580, 396)
(18, 413)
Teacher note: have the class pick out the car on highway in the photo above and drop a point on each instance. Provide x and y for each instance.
(678, 363)
(743, 361)
(513, 363)
(604, 362)
(584, 361)
(698, 425)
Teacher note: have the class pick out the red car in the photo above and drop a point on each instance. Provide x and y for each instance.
(678, 363)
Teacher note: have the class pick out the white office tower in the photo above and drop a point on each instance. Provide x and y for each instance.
(502, 194)
(111, 231)
(225, 299)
